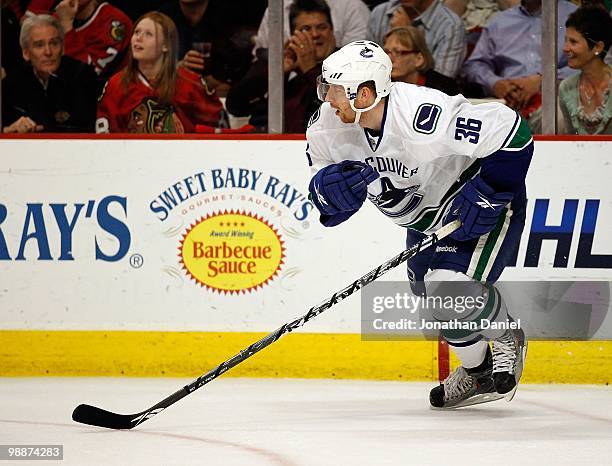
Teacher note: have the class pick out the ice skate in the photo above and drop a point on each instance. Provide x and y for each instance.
(466, 387)
(509, 352)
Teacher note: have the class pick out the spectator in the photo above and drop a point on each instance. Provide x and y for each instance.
(95, 33)
(227, 26)
(584, 98)
(412, 61)
(312, 41)
(151, 94)
(52, 93)
(444, 30)
(350, 18)
(507, 60)
(477, 13)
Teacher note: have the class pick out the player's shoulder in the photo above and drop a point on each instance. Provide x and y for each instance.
(420, 110)
(408, 97)
(411, 94)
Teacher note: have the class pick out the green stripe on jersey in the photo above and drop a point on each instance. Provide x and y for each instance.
(487, 250)
(521, 137)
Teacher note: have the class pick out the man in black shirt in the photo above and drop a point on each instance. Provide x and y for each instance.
(52, 93)
(227, 26)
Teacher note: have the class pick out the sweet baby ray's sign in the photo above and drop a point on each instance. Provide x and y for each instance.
(231, 252)
(230, 223)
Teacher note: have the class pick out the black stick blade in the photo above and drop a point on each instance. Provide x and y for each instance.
(86, 414)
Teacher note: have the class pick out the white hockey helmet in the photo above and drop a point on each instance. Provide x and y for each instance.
(354, 64)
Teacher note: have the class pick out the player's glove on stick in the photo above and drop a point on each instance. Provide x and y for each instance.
(341, 187)
(478, 207)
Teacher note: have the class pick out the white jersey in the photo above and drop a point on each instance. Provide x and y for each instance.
(428, 146)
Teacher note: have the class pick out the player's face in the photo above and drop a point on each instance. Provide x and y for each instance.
(405, 59)
(147, 41)
(317, 26)
(44, 50)
(576, 49)
(336, 96)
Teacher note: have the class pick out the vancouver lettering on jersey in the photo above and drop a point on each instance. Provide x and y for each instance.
(388, 164)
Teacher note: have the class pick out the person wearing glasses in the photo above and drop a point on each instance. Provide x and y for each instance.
(311, 42)
(52, 92)
(443, 29)
(412, 61)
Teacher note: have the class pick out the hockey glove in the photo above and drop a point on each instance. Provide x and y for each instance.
(341, 187)
(478, 207)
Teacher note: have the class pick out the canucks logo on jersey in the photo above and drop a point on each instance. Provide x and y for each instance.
(426, 118)
(396, 202)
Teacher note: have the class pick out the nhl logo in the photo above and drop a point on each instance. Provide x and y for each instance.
(367, 52)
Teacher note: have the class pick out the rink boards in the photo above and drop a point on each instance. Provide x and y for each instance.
(166, 257)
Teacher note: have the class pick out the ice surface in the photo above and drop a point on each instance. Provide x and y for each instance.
(307, 422)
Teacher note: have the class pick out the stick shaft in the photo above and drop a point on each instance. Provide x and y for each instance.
(92, 415)
(300, 321)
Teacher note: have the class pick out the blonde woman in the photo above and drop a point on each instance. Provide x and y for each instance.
(152, 94)
(412, 61)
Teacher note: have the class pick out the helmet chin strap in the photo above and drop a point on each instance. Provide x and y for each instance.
(359, 111)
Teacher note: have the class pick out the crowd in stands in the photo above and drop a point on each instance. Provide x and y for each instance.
(175, 66)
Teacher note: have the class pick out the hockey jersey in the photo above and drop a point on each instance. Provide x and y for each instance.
(429, 145)
(134, 109)
(101, 41)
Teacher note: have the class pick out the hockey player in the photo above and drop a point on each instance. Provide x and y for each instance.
(423, 159)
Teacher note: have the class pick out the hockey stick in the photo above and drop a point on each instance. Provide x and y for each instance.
(94, 416)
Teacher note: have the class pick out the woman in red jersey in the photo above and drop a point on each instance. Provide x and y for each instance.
(151, 94)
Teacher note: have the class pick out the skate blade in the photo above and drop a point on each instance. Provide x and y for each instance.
(510, 395)
(474, 400)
